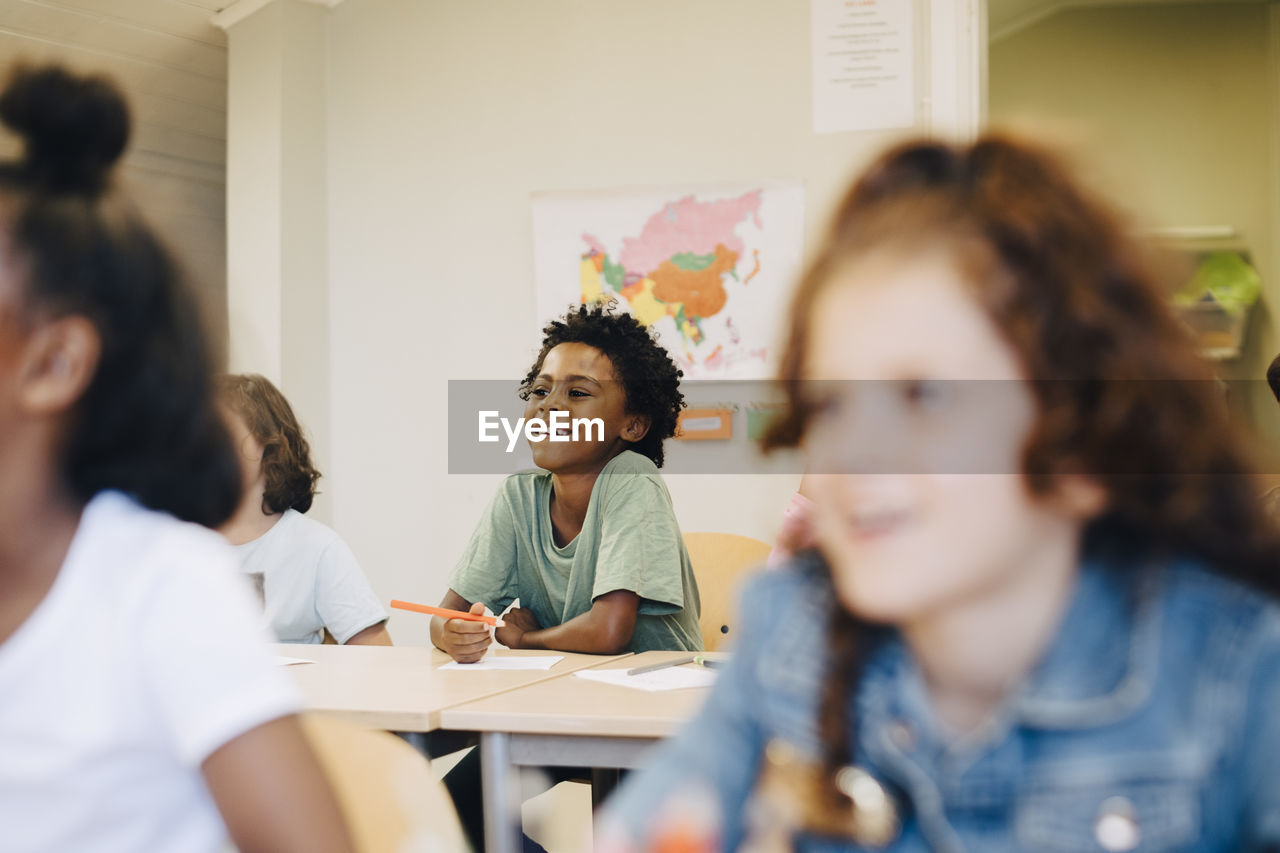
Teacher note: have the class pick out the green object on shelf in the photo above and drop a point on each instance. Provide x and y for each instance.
(760, 419)
(1225, 278)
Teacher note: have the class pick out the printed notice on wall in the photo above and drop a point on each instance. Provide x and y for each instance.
(863, 65)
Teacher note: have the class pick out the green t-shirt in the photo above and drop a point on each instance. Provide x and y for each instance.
(629, 540)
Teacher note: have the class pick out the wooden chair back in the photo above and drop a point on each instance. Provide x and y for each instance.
(388, 795)
(720, 561)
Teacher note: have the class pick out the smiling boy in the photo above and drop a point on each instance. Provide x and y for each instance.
(588, 541)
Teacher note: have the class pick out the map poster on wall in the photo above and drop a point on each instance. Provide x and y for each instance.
(709, 268)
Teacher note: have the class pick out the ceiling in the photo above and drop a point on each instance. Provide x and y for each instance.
(165, 53)
(172, 61)
(1004, 13)
(1006, 17)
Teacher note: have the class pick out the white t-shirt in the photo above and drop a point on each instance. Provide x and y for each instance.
(144, 658)
(310, 581)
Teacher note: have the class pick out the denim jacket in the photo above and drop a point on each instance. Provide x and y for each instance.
(1151, 723)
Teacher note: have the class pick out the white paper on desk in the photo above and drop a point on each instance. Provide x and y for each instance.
(671, 678)
(507, 662)
(281, 660)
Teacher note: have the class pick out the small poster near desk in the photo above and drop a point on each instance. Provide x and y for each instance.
(703, 424)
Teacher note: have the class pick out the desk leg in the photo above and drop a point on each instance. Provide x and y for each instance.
(501, 804)
(604, 781)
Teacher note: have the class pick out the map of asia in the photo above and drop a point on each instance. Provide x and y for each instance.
(710, 269)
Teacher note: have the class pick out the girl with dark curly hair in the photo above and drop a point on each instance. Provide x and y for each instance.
(308, 579)
(140, 706)
(1042, 612)
(589, 543)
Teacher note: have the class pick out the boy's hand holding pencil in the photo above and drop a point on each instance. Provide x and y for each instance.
(445, 613)
(464, 636)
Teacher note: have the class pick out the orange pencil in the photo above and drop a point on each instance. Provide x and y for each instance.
(446, 613)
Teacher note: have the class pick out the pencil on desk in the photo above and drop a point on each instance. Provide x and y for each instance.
(641, 670)
(445, 613)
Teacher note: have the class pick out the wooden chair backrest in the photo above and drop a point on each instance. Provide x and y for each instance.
(388, 795)
(720, 561)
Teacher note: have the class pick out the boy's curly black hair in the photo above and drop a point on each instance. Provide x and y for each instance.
(650, 379)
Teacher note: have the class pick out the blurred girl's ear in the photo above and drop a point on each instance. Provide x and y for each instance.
(1080, 496)
(59, 362)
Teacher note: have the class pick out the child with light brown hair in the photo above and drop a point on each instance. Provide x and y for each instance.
(308, 578)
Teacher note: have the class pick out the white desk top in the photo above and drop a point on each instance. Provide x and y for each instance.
(402, 688)
(576, 706)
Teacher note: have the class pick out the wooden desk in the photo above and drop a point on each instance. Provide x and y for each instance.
(402, 688)
(565, 722)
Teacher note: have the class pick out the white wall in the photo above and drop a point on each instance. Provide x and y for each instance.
(277, 291)
(253, 199)
(443, 118)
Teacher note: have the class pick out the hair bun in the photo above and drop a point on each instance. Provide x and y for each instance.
(75, 127)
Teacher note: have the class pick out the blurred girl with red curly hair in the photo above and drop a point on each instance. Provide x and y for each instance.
(1041, 614)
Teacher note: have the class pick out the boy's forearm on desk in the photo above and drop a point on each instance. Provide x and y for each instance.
(594, 632)
(573, 638)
